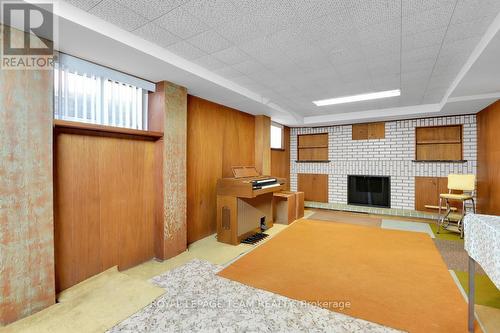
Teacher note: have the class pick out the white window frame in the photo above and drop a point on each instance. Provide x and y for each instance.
(99, 95)
(282, 131)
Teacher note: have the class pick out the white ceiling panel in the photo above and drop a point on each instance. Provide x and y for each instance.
(370, 12)
(228, 72)
(213, 12)
(231, 56)
(186, 50)
(181, 23)
(411, 7)
(156, 34)
(471, 10)
(209, 42)
(292, 52)
(84, 4)
(249, 67)
(380, 31)
(151, 9)
(113, 12)
(428, 20)
(423, 39)
(209, 62)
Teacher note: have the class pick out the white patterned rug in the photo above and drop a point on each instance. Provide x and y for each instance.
(197, 300)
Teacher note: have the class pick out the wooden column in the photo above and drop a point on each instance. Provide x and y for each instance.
(263, 144)
(488, 160)
(168, 114)
(26, 218)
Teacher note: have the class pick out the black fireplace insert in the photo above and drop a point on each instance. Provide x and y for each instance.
(369, 191)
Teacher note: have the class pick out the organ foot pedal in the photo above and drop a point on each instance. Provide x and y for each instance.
(255, 238)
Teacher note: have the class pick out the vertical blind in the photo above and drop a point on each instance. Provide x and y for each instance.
(89, 93)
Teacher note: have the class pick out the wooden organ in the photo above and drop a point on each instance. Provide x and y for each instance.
(245, 204)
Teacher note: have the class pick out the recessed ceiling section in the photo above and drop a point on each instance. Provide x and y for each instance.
(294, 52)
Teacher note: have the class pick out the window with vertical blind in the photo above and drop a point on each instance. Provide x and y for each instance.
(89, 93)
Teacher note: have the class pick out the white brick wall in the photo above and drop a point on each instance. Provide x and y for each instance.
(392, 156)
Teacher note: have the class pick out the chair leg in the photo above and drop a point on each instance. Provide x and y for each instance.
(473, 206)
(461, 222)
(439, 215)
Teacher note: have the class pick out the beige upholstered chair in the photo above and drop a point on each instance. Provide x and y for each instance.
(454, 221)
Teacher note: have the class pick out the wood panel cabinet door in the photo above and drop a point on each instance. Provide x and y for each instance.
(369, 131)
(426, 193)
(360, 132)
(314, 186)
(376, 131)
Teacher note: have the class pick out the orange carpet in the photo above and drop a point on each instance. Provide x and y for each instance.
(394, 278)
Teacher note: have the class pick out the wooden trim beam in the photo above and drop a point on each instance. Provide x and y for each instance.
(108, 131)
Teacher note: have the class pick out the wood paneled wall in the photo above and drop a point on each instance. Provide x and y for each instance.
(218, 138)
(280, 159)
(488, 160)
(104, 205)
(263, 144)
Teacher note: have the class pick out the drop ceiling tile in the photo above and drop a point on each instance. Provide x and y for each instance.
(210, 42)
(345, 55)
(429, 53)
(209, 62)
(258, 45)
(339, 23)
(416, 77)
(423, 39)
(381, 31)
(391, 60)
(231, 56)
(151, 9)
(186, 50)
(434, 96)
(383, 66)
(249, 66)
(83, 4)
(386, 82)
(228, 72)
(156, 34)
(181, 23)
(427, 20)
(353, 72)
(384, 69)
(471, 10)
(263, 21)
(244, 81)
(306, 11)
(369, 12)
(411, 7)
(245, 7)
(119, 15)
(241, 30)
(213, 12)
(466, 30)
(388, 47)
(416, 65)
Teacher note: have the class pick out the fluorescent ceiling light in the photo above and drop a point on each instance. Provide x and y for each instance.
(357, 98)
